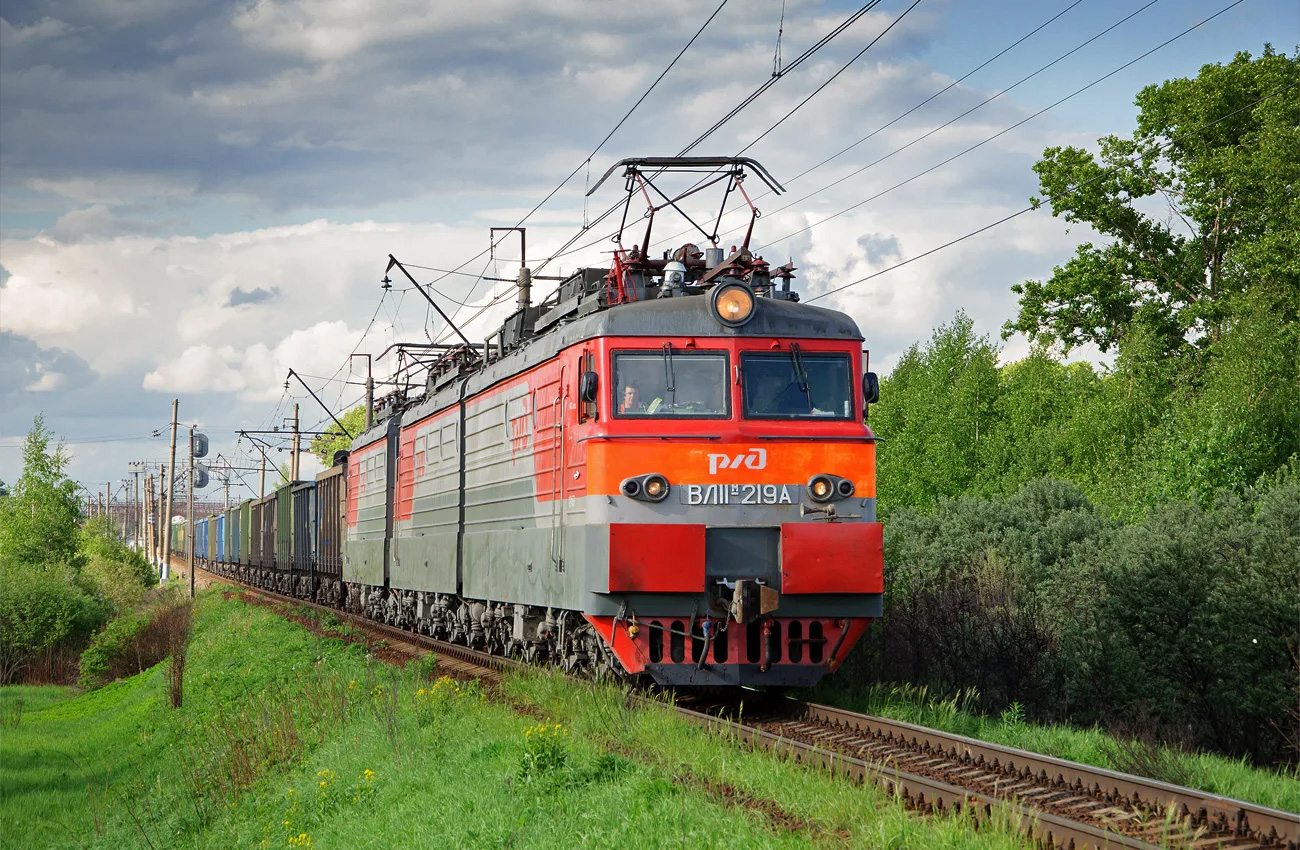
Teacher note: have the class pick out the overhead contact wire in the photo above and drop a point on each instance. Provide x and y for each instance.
(1057, 197)
(1006, 130)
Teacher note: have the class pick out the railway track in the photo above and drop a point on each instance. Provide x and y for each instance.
(1059, 803)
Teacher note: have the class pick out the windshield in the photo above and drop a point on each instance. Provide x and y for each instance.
(796, 385)
(671, 383)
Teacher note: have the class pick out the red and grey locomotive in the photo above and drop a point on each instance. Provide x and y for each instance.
(661, 469)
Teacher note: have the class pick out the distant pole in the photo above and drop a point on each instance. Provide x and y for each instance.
(157, 517)
(108, 505)
(227, 505)
(146, 539)
(126, 507)
(139, 512)
(293, 455)
(165, 541)
(370, 390)
(189, 522)
(262, 486)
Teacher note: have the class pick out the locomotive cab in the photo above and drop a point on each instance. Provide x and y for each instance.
(735, 477)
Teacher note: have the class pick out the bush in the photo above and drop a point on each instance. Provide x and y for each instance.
(1182, 628)
(40, 608)
(113, 651)
(1199, 623)
(136, 641)
(119, 582)
(120, 572)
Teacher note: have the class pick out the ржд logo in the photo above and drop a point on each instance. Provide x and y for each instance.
(752, 459)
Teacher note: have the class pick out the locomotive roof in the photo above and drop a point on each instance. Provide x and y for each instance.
(655, 319)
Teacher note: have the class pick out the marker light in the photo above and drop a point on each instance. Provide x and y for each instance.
(651, 487)
(821, 488)
(733, 304)
(656, 487)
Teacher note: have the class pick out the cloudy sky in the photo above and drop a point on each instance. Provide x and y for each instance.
(196, 196)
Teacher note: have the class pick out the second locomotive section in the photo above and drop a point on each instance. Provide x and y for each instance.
(654, 489)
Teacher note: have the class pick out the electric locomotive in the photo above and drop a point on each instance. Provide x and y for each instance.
(663, 469)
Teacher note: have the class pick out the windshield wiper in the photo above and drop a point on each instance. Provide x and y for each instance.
(670, 383)
(800, 373)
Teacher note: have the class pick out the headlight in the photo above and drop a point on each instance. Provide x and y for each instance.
(656, 487)
(825, 488)
(733, 304)
(646, 488)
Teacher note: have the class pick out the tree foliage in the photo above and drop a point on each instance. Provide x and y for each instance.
(1192, 217)
(324, 447)
(39, 520)
(59, 582)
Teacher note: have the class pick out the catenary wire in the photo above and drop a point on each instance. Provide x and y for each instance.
(935, 130)
(1008, 129)
(746, 101)
(596, 150)
(567, 250)
(1053, 198)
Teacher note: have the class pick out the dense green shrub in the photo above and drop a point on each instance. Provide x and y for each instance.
(42, 606)
(137, 640)
(1184, 626)
(1199, 623)
(112, 650)
(116, 571)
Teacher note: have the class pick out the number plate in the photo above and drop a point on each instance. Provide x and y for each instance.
(736, 494)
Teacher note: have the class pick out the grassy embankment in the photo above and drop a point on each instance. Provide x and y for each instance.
(289, 738)
(1228, 777)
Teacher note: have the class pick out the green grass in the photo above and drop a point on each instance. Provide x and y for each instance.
(279, 728)
(1233, 778)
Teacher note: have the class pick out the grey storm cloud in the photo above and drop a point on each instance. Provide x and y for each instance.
(30, 368)
(297, 106)
(879, 249)
(257, 295)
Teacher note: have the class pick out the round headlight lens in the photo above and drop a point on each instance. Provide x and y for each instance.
(656, 488)
(733, 304)
(820, 488)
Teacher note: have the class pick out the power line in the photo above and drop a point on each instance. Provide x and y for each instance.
(565, 249)
(832, 79)
(946, 124)
(1054, 198)
(736, 110)
(596, 150)
(771, 81)
(1006, 130)
(940, 92)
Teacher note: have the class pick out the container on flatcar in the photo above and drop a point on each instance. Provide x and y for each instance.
(303, 538)
(246, 533)
(331, 519)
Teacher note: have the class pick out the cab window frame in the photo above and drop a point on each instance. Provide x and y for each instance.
(616, 394)
(843, 356)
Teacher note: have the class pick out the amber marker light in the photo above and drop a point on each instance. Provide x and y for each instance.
(733, 304)
(821, 488)
(656, 487)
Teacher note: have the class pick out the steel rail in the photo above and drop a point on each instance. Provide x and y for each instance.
(923, 792)
(1222, 815)
(867, 748)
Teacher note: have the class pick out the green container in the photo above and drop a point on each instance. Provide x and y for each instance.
(246, 532)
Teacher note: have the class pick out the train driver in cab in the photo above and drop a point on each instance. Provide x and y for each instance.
(629, 404)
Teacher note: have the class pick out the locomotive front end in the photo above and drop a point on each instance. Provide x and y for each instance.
(736, 479)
